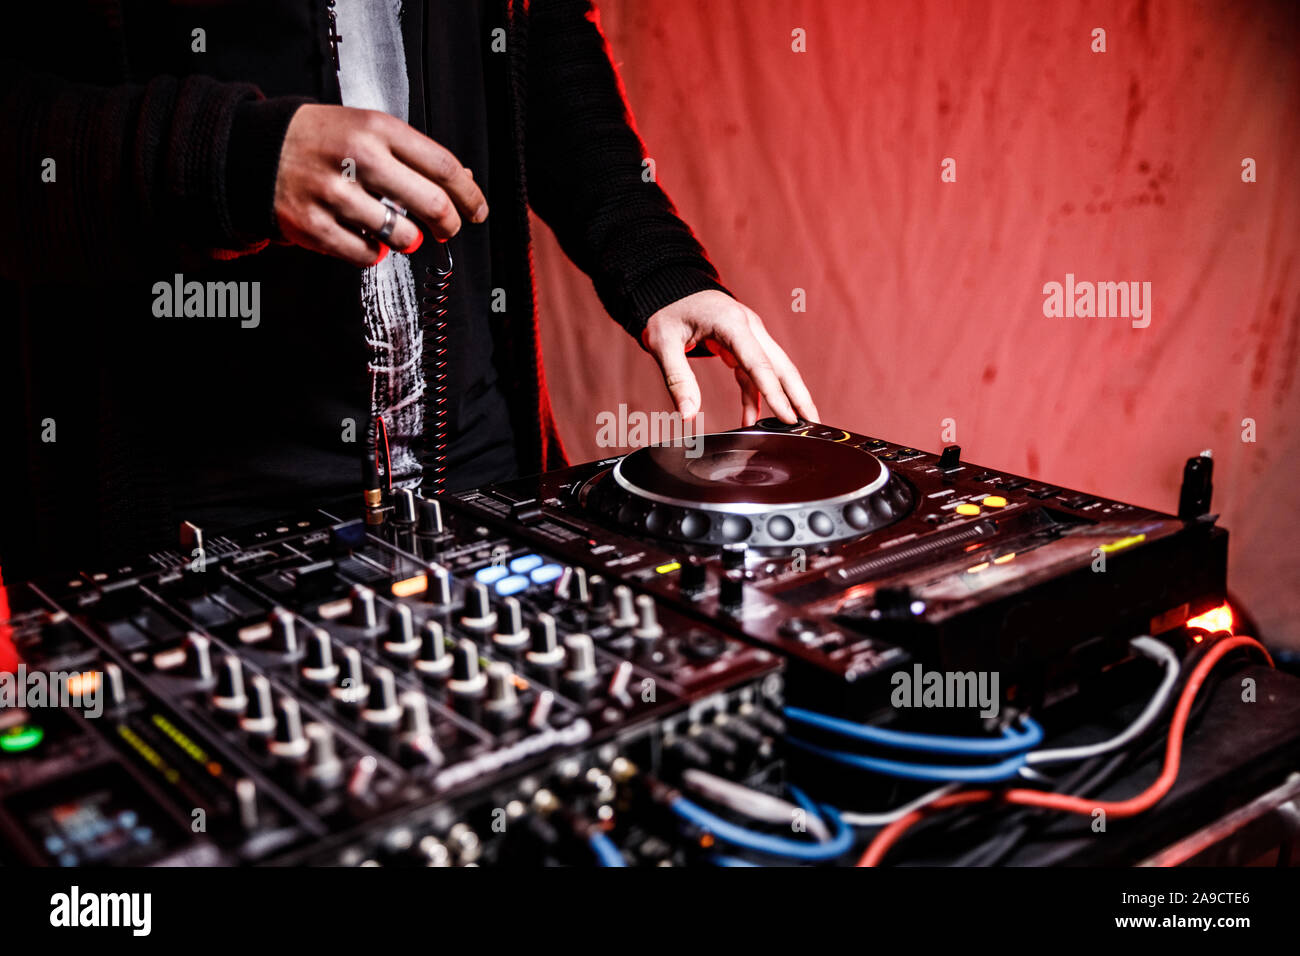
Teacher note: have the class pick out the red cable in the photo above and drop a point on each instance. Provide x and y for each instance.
(388, 457)
(1143, 801)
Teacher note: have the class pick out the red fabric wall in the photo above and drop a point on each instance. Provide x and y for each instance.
(821, 171)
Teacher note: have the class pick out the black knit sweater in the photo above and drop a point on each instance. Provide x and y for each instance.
(134, 155)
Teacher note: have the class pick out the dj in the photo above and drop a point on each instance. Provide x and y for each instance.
(269, 156)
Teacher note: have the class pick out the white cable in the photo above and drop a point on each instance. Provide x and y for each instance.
(753, 803)
(886, 817)
(1147, 647)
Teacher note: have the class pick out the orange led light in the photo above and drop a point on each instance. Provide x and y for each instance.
(84, 684)
(1216, 619)
(408, 587)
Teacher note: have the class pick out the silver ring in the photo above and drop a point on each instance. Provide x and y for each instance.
(385, 233)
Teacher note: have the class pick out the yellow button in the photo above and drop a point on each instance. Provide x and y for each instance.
(994, 501)
(968, 509)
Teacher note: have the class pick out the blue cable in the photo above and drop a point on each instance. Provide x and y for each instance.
(726, 831)
(721, 859)
(986, 773)
(607, 854)
(1012, 740)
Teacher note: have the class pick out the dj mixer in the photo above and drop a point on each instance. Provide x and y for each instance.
(536, 672)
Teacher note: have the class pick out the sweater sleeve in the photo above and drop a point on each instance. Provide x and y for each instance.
(105, 180)
(585, 172)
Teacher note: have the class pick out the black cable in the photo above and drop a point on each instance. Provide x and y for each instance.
(1093, 775)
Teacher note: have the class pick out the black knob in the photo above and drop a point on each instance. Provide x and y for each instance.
(544, 648)
(350, 687)
(430, 516)
(259, 717)
(439, 591)
(382, 709)
(477, 615)
(510, 632)
(323, 765)
(229, 695)
(404, 510)
(289, 742)
(402, 641)
(732, 591)
(733, 557)
(580, 659)
(417, 733)
(198, 657)
(599, 589)
(363, 607)
(466, 678)
(572, 586)
(284, 634)
(318, 665)
(950, 457)
(501, 697)
(693, 576)
(434, 661)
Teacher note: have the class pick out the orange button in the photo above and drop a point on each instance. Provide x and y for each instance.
(968, 509)
(994, 501)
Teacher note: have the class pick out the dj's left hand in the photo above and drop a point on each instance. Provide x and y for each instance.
(737, 336)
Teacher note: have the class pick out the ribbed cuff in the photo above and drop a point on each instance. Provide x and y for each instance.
(253, 162)
(664, 287)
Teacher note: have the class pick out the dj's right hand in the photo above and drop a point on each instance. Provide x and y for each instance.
(320, 207)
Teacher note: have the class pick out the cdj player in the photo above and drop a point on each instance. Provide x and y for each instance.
(601, 664)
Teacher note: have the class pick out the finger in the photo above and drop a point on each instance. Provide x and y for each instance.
(791, 380)
(359, 209)
(678, 377)
(437, 163)
(427, 201)
(334, 239)
(751, 357)
(749, 402)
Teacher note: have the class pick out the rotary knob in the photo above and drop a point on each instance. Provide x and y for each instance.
(477, 615)
(363, 608)
(510, 631)
(229, 696)
(318, 667)
(433, 660)
(401, 642)
(466, 678)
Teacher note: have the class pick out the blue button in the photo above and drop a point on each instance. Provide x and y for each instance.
(512, 585)
(491, 574)
(525, 563)
(546, 573)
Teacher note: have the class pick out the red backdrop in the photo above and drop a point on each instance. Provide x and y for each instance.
(820, 171)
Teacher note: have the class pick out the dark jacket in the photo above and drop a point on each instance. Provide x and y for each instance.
(164, 162)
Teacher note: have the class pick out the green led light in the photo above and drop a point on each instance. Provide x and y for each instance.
(21, 738)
